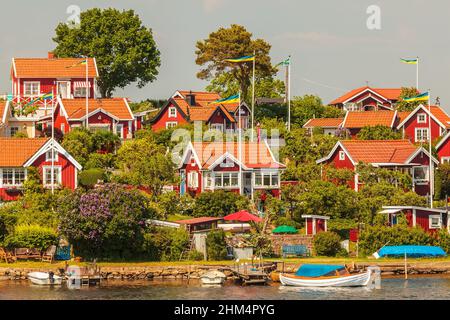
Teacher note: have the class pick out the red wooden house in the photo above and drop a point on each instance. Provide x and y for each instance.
(113, 114)
(33, 77)
(329, 125)
(188, 106)
(399, 155)
(210, 166)
(431, 220)
(443, 148)
(20, 153)
(415, 125)
(368, 99)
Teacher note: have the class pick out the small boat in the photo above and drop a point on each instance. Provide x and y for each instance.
(213, 277)
(44, 278)
(316, 275)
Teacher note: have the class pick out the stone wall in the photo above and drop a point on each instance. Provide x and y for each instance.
(291, 239)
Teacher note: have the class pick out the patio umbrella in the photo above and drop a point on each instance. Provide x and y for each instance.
(284, 229)
(243, 216)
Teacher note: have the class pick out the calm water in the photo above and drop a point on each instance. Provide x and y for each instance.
(429, 287)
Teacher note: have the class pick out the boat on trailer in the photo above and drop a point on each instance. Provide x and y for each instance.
(44, 278)
(315, 275)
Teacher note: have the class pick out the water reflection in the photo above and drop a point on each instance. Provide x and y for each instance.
(429, 287)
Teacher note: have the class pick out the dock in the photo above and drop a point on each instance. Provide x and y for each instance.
(252, 274)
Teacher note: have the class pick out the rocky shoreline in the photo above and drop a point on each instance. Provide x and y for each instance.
(195, 271)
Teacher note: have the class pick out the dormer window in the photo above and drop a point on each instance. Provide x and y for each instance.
(421, 118)
(341, 155)
(51, 154)
(172, 112)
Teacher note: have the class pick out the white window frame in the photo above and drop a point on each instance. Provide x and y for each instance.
(192, 179)
(217, 126)
(119, 128)
(427, 175)
(76, 94)
(263, 174)
(445, 159)
(48, 155)
(13, 170)
(32, 92)
(68, 86)
(171, 124)
(430, 221)
(341, 155)
(421, 130)
(420, 119)
(59, 176)
(229, 174)
(172, 112)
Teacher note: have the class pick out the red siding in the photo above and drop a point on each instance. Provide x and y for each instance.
(410, 126)
(68, 175)
(163, 118)
(422, 189)
(49, 84)
(342, 164)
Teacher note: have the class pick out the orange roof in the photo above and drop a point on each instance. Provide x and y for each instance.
(2, 109)
(53, 68)
(379, 151)
(17, 151)
(355, 119)
(441, 115)
(390, 94)
(201, 111)
(76, 108)
(324, 123)
(201, 95)
(402, 115)
(254, 154)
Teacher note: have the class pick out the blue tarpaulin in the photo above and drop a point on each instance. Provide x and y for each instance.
(316, 270)
(412, 251)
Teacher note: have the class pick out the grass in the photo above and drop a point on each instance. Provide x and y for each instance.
(176, 217)
(324, 260)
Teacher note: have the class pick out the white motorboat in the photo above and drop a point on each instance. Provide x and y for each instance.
(213, 277)
(330, 276)
(44, 278)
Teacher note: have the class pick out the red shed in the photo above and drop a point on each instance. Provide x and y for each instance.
(431, 220)
(315, 224)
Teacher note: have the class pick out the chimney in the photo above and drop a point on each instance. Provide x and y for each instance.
(51, 55)
(190, 98)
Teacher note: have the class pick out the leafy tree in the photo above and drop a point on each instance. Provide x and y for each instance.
(378, 132)
(327, 244)
(233, 42)
(216, 247)
(218, 203)
(369, 175)
(165, 244)
(305, 108)
(275, 112)
(100, 160)
(333, 112)
(90, 177)
(403, 105)
(144, 163)
(123, 47)
(443, 176)
(31, 236)
(105, 141)
(78, 142)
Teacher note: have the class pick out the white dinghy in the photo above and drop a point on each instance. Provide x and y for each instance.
(44, 278)
(213, 277)
(310, 275)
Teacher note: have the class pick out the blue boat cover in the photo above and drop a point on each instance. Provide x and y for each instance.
(412, 251)
(316, 270)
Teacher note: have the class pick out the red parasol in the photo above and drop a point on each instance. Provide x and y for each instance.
(243, 216)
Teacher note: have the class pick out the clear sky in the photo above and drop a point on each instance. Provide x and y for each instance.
(332, 48)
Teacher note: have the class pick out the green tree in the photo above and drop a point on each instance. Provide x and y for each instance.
(216, 247)
(123, 47)
(403, 105)
(378, 132)
(218, 203)
(305, 108)
(144, 163)
(233, 42)
(105, 141)
(78, 142)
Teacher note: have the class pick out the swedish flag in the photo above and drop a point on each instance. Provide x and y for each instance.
(231, 99)
(242, 59)
(409, 61)
(421, 97)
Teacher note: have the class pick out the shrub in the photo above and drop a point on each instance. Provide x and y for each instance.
(105, 141)
(195, 255)
(90, 177)
(100, 160)
(216, 246)
(31, 236)
(327, 244)
(165, 244)
(284, 221)
(342, 227)
(218, 203)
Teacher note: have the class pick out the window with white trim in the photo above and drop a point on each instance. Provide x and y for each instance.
(193, 179)
(224, 179)
(49, 154)
(13, 176)
(119, 130)
(171, 124)
(341, 155)
(80, 92)
(31, 88)
(435, 221)
(421, 118)
(421, 174)
(421, 134)
(217, 126)
(445, 160)
(13, 131)
(172, 112)
(266, 179)
(47, 175)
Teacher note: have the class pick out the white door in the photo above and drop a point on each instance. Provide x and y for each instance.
(63, 88)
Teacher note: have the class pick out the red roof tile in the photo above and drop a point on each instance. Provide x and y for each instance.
(323, 123)
(379, 151)
(76, 108)
(53, 68)
(17, 151)
(355, 119)
(390, 94)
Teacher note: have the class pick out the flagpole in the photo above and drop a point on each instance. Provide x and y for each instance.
(431, 178)
(417, 75)
(240, 147)
(87, 93)
(253, 93)
(289, 94)
(52, 145)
